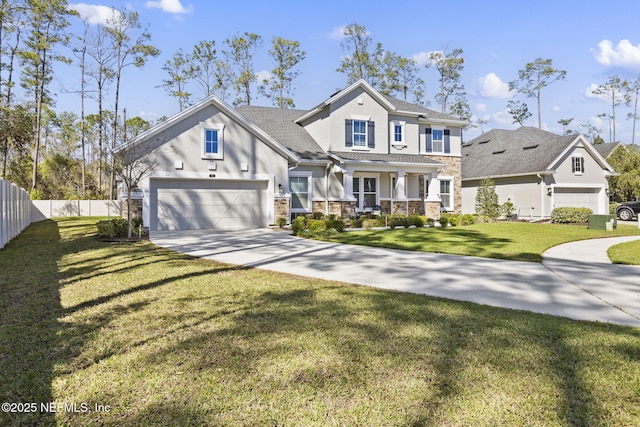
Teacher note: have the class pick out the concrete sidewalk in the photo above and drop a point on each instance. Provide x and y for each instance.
(582, 291)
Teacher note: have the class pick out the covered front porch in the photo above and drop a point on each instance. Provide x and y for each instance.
(412, 185)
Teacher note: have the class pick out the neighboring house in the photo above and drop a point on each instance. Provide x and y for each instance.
(218, 167)
(607, 149)
(536, 170)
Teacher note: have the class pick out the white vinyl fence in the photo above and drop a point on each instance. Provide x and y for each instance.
(45, 209)
(15, 211)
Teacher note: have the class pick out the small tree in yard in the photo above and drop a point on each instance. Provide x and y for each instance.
(131, 166)
(487, 199)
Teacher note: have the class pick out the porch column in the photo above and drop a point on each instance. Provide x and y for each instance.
(434, 188)
(347, 178)
(401, 193)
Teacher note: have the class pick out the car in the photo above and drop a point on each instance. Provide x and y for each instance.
(628, 210)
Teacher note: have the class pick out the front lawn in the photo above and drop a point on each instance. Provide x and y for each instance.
(154, 337)
(506, 240)
(625, 253)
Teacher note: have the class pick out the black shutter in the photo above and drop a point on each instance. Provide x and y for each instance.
(428, 144)
(447, 141)
(371, 135)
(348, 133)
(582, 164)
(573, 164)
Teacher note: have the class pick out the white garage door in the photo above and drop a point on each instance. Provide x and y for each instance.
(204, 204)
(577, 198)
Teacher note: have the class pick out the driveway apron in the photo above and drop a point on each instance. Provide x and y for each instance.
(558, 287)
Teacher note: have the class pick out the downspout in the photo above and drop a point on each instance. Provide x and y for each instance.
(542, 191)
(326, 189)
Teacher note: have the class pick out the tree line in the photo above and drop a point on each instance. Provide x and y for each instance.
(68, 155)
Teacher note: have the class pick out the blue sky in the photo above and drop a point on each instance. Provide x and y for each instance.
(590, 40)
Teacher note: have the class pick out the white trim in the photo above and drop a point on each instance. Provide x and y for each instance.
(403, 133)
(451, 180)
(204, 127)
(361, 176)
(309, 176)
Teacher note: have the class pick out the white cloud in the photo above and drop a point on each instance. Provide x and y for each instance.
(93, 13)
(169, 6)
(337, 33)
(424, 58)
(481, 108)
(624, 54)
(588, 93)
(492, 86)
(556, 108)
(263, 75)
(503, 118)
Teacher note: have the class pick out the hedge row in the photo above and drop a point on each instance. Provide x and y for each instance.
(570, 215)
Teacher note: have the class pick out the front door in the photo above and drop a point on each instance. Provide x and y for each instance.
(365, 190)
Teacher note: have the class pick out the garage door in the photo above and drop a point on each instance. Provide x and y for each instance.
(577, 198)
(200, 204)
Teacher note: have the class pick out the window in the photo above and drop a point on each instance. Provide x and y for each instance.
(577, 165)
(437, 141)
(212, 141)
(437, 136)
(211, 145)
(300, 195)
(397, 133)
(445, 194)
(359, 133)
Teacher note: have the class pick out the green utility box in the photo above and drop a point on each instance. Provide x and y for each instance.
(602, 222)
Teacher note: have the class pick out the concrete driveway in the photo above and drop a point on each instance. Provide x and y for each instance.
(561, 285)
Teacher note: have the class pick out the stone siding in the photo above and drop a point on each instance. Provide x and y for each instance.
(453, 168)
(281, 208)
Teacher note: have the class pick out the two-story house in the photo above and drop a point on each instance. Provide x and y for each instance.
(212, 166)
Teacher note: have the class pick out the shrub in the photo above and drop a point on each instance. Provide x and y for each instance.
(570, 215)
(481, 219)
(431, 222)
(487, 199)
(357, 222)
(398, 221)
(368, 224)
(316, 226)
(317, 215)
(417, 221)
(612, 208)
(281, 222)
(298, 225)
(444, 220)
(116, 227)
(467, 219)
(506, 208)
(136, 222)
(334, 223)
(454, 220)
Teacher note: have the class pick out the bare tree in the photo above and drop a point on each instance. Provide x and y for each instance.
(131, 166)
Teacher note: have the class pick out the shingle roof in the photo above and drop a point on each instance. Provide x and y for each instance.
(419, 109)
(385, 158)
(502, 152)
(279, 124)
(607, 148)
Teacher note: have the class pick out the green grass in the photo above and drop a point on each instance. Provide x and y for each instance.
(165, 339)
(625, 253)
(506, 240)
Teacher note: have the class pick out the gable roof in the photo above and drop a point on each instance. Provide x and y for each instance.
(524, 151)
(390, 103)
(607, 148)
(225, 108)
(280, 124)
